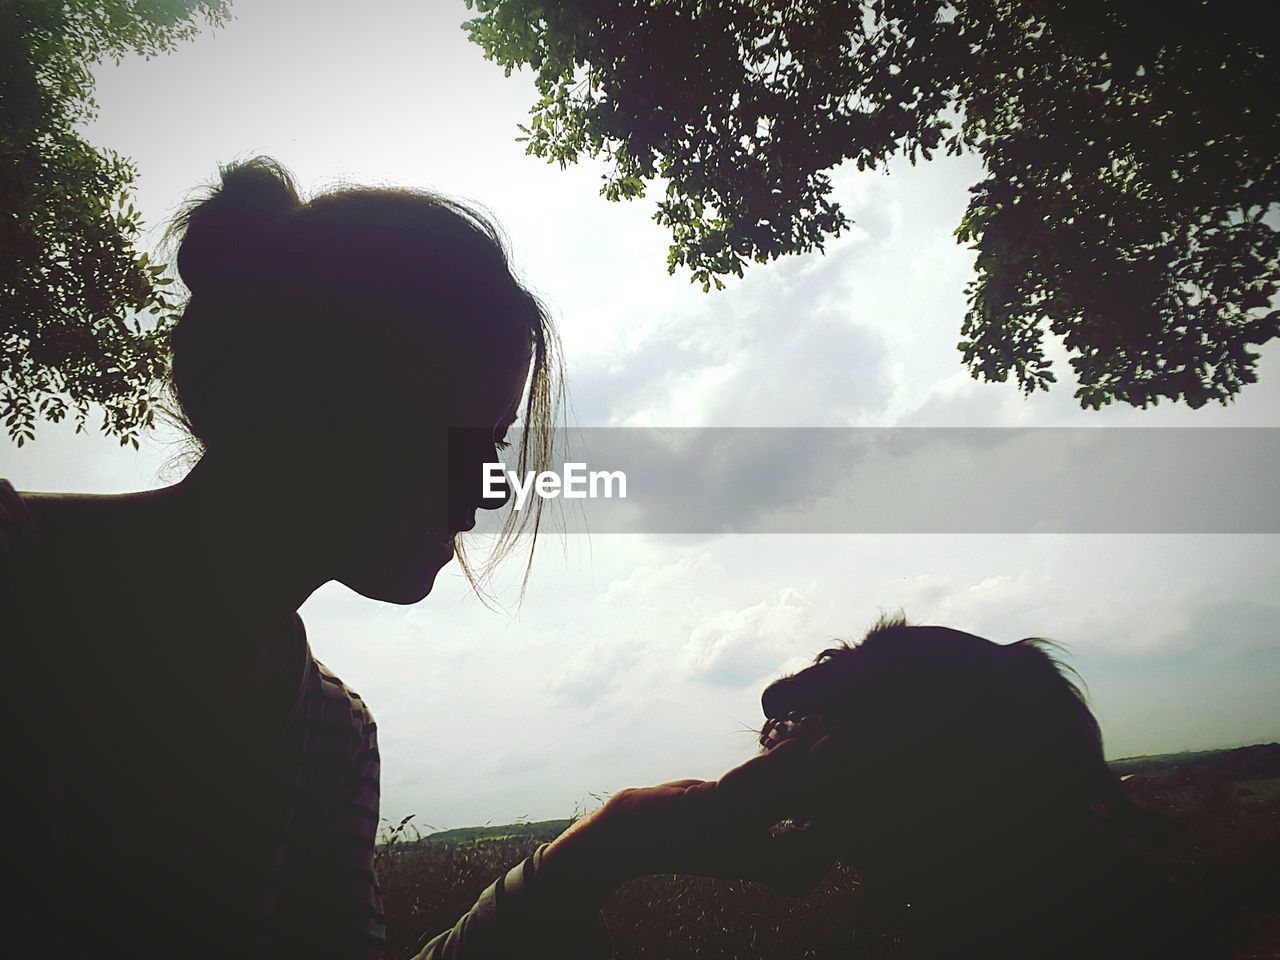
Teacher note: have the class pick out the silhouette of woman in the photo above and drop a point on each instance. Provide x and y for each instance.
(187, 780)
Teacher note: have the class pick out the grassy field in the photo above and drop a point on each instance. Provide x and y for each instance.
(1227, 854)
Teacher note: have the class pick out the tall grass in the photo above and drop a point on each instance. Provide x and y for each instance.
(1226, 854)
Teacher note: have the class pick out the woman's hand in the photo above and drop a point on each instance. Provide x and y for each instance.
(712, 828)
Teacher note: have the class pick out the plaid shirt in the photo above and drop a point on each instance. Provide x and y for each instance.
(268, 849)
(266, 853)
(320, 891)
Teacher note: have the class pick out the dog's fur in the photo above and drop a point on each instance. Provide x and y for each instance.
(976, 803)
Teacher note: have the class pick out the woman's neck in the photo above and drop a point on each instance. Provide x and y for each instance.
(215, 554)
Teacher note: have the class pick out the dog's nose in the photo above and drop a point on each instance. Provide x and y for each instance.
(775, 701)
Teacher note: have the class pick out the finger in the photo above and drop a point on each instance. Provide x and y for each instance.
(682, 784)
(804, 728)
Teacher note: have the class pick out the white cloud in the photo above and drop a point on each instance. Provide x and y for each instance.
(751, 645)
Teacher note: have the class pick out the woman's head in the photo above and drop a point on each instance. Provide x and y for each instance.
(368, 347)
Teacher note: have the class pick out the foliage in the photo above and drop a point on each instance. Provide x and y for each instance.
(1130, 155)
(83, 315)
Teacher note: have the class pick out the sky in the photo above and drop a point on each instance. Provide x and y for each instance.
(637, 658)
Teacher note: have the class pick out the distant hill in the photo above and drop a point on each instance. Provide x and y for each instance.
(1258, 762)
(541, 830)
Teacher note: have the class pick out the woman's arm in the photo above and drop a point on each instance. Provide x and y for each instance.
(710, 828)
(549, 904)
(521, 916)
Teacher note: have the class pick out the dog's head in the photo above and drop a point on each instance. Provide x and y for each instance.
(948, 735)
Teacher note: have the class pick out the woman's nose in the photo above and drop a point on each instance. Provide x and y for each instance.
(477, 475)
(496, 488)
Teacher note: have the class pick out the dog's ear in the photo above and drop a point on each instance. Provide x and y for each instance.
(1049, 703)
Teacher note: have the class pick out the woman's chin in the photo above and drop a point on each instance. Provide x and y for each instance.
(406, 582)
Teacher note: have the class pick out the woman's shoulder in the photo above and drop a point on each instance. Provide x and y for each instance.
(47, 586)
(17, 524)
(55, 535)
(21, 585)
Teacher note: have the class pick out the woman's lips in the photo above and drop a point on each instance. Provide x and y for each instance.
(453, 532)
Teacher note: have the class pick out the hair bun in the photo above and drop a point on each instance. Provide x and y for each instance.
(226, 236)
